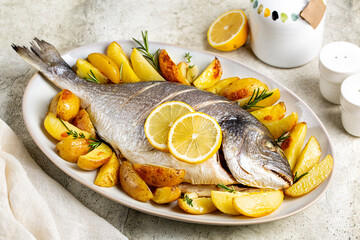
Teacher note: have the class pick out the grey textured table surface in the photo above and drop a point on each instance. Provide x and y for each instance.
(69, 24)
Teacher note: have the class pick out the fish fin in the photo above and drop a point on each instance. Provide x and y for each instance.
(41, 54)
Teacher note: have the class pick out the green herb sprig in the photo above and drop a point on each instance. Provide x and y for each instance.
(188, 200)
(144, 49)
(92, 77)
(296, 178)
(188, 59)
(94, 143)
(227, 189)
(282, 138)
(70, 132)
(255, 98)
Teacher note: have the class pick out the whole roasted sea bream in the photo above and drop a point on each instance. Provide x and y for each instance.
(249, 155)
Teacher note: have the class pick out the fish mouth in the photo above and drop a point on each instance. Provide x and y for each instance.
(288, 180)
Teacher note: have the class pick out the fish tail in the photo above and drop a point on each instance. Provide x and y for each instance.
(41, 54)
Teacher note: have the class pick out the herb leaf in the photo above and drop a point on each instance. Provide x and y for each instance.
(92, 77)
(188, 200)
(144, 49)
(227, 189)
(94, 143)
(188, 59)
(296, 178)
(70, 132)
(255, 98)
(282, 138)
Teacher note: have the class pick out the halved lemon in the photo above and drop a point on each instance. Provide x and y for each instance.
(194, 137)
(229, 31)
(159, 121)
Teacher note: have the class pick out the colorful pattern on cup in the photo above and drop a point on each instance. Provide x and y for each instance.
(274, 14)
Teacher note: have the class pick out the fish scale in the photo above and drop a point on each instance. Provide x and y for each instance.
(249, 155)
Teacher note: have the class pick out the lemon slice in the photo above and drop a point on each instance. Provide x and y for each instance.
(194, 137)
(229, 31)
(159, 121)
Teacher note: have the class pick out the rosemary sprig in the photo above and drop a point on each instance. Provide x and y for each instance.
(255, 98)
(188, 59)
(296, 178)
(94, 143)
(144, 49)
(72, 133)
(227, 189)
(92, 77)
(282, 138)
(188, 200)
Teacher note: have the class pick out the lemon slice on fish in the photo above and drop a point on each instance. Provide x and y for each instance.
(194, 137)
(159, 121)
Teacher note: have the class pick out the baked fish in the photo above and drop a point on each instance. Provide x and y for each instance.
(249, 154)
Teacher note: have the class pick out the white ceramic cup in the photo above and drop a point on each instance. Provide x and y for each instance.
(350, 104)
(337, 61)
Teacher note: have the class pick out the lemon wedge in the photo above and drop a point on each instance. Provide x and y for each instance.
(159, 121)
(229, 31)
(194, 137)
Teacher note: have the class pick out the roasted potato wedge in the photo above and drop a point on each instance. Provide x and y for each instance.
(88, 71)
(292, 145)
(259, 204)
(275, 96)
(210, 76)
(313, 179)
(270, 114)
(166, 194)
(192, 73)
(158, 176)
(224, 201)
(169, 70)
(190, 203)
(65, 105)
(143, 68)
(277, 128)
(309, 156)
(71, 149)
(83, 122)
(117, 54)
(95, 158)
(106, 65)
(132, 183)
(243, 88)
(108, 174)
(220, 85)
(55, 127)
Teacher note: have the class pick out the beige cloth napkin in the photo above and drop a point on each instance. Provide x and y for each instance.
(34, 206)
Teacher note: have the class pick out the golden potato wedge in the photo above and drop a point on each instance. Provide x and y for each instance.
(143, 68)
(132, 183)
(88, 71)
(192, 73)
(71, 149)
(277, 128)
(166, 194)
(292, 145)
(95, 158)
(270, 114)
(243, 88)
(220, 85)
(183, 68)
(309, 156)
(83, 122)
(275, 96)
(313, 179)
(169, 70)
(224, 201)
(106, 65)
(158, 176)
(190, 203)
(65, 105)
(59, 129)
(108, 174)
(117, 54)
(259, 204)
(210, 76)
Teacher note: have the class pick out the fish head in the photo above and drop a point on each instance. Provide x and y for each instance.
(253, 157)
